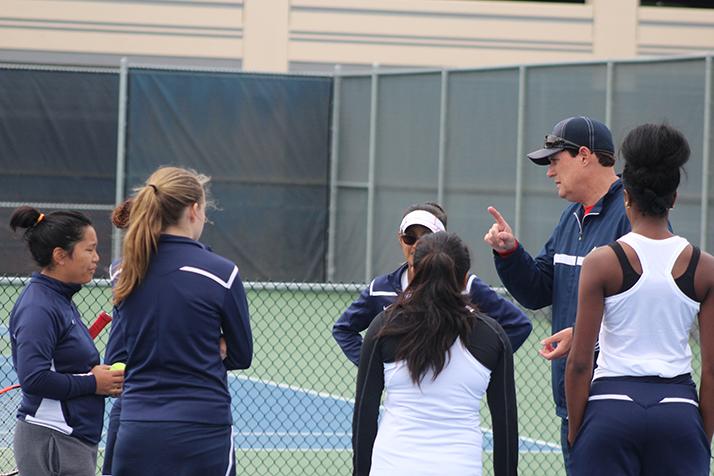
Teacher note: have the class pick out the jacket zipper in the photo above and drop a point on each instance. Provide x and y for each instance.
(580, 225)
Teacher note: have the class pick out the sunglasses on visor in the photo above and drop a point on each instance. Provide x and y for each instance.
(553, 142)
(408, 240)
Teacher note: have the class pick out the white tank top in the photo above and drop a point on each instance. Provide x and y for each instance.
(435, 428)
(645, 330)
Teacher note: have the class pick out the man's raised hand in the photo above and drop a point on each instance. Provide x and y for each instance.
(499, 236)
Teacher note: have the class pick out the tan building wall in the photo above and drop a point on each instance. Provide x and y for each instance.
(275, 35)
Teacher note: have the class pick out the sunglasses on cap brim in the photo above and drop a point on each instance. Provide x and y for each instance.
(555, 142)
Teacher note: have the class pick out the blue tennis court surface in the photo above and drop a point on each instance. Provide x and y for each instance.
(275, 416)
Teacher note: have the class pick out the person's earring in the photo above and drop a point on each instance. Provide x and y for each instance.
(627, 204)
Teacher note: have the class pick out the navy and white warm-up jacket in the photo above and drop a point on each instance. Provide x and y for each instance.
(53, 355)
(552, 277)
(167, 332)
(383, 291)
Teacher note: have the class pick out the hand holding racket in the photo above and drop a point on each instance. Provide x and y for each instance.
(109, 382)
(9, 403)
(102, 320)
(99, 324)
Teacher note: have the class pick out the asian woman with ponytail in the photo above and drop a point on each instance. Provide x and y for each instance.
(59, 422)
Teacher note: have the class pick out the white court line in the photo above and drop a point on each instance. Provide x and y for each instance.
(295, 388)
(547, 444)
(285, 450)
(295, 433)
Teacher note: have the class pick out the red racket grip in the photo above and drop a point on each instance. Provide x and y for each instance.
(102, 320)
(11, 387)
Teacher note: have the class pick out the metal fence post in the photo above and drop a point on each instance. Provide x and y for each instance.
(609, 81)
(120, 178)
(370, 174)
(443, 111)
(334, 162)
(520, 139)
(706, 152)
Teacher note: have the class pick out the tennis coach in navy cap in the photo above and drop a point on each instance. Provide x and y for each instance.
(579, 157)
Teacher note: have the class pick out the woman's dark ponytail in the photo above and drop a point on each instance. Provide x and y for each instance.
(44, 233)
(432, 312)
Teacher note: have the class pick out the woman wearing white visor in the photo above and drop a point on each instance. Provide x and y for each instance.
(418, 220)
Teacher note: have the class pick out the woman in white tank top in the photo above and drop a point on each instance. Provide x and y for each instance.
(640, 297)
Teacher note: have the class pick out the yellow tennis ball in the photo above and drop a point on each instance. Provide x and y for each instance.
(118, 366)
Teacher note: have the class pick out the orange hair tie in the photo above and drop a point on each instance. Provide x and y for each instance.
(40, 218)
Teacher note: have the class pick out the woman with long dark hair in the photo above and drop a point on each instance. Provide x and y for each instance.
(63, 384)
(642, 295)
(436, 357)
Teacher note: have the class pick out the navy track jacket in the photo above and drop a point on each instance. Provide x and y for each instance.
(53, 355)
(552, 277)
(383, 291)
(167, 332)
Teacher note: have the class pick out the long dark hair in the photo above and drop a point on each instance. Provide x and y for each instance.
(432, 311)
(44, 233)
(653, 154)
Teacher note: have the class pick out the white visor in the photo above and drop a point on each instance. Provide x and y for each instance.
(423, 218)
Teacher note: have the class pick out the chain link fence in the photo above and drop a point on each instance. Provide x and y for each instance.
(293, 409)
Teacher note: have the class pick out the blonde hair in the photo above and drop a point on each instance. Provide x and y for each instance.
(158, 204)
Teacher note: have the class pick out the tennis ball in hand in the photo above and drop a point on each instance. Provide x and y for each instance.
(118, 366)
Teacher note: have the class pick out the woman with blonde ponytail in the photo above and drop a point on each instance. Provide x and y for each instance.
(175, 300)
(152, 212)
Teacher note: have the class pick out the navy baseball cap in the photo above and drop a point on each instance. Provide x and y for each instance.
(573, 133)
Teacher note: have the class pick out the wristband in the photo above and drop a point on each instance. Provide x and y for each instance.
(503, 254)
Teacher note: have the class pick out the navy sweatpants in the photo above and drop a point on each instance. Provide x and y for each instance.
(636, 426)
(112, 430)
(151, 448)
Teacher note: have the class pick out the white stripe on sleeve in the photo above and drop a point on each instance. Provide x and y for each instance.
(209, 275)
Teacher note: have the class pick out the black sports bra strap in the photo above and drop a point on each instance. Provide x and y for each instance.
(694, 261)
(621, 256)
(686, 281)
(629, 275)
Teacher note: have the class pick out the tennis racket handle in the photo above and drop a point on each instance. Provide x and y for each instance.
(7, 389)
(102, 320)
